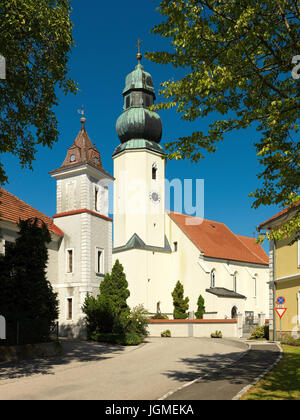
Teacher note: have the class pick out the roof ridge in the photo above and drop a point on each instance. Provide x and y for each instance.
(252, 252)
(197, 217)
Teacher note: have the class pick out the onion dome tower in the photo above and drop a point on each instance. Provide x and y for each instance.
(139, 169)
(138, 127)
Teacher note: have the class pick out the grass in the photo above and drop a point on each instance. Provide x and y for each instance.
(283, 382)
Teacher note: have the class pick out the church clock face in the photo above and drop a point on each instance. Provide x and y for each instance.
(155, 197)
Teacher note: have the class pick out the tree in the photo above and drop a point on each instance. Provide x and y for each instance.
(181, 304)
(36, 39)
(201, 308)
(239, 57)
(109, 312)
(26, 295)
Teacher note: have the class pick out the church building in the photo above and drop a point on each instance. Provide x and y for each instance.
(157, 247)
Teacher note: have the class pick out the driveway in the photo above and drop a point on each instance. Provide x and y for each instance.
(88, 371)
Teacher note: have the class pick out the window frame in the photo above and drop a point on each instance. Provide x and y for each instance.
(69, 300)
(99, 268)
(213, 278)
(68, 251)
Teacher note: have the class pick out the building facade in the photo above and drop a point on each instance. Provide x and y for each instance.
(284, 277)
(157, 247)
(80, 253)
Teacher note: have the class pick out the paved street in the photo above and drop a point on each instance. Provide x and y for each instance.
(226, 383)
(97, 371)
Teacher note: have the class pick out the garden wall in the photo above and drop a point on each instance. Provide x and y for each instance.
(196, 327)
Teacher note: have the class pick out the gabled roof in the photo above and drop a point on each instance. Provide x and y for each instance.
(12, 209)
(216, 240)
(285, 212)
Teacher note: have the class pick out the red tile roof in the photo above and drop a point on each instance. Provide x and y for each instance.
(12, 209)
(216, 240)
(277, 216)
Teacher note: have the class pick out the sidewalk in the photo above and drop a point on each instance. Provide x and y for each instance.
(231, 382)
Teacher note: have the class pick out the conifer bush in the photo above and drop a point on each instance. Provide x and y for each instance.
(109, 318)
(181, 304)
(201, 308)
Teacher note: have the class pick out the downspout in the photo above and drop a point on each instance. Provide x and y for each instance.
(274, 291)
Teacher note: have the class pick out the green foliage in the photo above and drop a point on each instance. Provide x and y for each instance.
(159, 316)
(259, 333)
(166, 333)
(109, 312)
(108, 317)
(26, 295)
(201, 308)
(138, 321)
(290, 340)
(36, 40)
(237, 58)
(181, 304)
(127, 339)
(216, 334)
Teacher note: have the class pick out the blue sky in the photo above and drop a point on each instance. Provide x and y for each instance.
(106, 35)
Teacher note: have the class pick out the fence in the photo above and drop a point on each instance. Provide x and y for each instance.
(29, 332)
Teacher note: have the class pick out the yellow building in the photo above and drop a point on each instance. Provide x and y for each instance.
(284, 278)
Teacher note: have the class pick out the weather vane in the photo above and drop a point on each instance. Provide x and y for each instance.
(82, 119)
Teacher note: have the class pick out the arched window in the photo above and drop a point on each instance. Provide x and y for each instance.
(154, 171)
(235, 282)
(213, 278)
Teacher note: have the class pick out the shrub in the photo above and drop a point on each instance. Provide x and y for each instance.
(259, 333)
(166, 333)
(131, 339)
(138, 321)
(181, 304)
(109, 312)
(216, 334)
(290, 340)
(201, 308)
(128, 339)
(159, 316)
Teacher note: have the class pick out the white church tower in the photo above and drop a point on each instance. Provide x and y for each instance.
(84, 256)
(139, 187)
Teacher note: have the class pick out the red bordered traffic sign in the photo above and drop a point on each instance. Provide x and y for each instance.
(280, 311)
(280, 300)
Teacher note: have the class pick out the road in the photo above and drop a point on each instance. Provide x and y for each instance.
(94, 371)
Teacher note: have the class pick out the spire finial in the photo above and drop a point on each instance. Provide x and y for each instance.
(82, 119)
(139, 55)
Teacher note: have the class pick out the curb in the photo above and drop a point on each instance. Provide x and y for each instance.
(168, 394)
(261, 376)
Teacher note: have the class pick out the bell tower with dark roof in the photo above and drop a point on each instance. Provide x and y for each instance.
(85, 254)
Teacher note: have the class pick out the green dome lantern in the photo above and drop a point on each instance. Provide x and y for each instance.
(138, 126)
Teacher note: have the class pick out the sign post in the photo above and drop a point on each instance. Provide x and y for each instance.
(280, 310)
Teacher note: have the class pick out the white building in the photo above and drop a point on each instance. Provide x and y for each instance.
(80, 253)
(156, 247)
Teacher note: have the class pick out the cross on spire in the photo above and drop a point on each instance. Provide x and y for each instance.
(139, 55)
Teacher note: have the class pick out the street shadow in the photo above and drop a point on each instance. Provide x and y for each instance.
(234, 367)
(72, 352)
